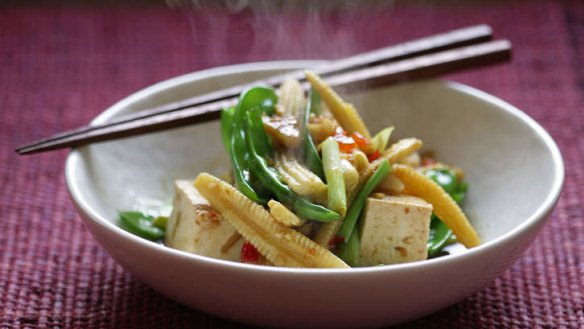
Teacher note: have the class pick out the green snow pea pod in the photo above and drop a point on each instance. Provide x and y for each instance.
(258, 97)
(269, 177)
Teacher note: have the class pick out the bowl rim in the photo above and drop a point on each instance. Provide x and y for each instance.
(75, 157)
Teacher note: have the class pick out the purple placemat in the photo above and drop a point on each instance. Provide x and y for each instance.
(60, 66)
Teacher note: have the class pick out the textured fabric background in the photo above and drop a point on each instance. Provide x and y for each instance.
(61, 65)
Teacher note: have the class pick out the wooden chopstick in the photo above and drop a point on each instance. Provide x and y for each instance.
(425, 66)
(438, 42)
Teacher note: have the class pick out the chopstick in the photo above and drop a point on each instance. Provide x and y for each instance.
(443, 41)
(407, 64)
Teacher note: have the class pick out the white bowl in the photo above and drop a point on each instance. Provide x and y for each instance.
(514, 169)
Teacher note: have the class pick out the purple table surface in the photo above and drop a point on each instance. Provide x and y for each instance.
(62, 65)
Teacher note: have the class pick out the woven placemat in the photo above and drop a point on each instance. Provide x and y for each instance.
(60, 66)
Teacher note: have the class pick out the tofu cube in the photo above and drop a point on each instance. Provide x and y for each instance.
(196, 228)
(394, 230)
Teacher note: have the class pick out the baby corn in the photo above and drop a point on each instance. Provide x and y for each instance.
(397, 151)
(345, 113)
(300, 179)
(444, 206)
(283, 215)
(292, 98)
(350, 174)
(326, 232)
(358, 159)
(401, 149)
(281, 245)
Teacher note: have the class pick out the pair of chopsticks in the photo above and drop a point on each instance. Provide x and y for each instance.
(427, 57)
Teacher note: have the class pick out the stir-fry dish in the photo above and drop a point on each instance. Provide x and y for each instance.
(311, 187)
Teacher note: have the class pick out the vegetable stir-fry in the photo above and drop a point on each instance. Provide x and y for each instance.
(311, 187)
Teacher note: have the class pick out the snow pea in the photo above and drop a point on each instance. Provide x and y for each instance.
(257, 97)
(269, 178)
(311, 157)
(440, 234)
(226, 127)
(140, 224)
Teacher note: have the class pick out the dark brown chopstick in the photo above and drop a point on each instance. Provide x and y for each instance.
(438, 42)
(425, 66)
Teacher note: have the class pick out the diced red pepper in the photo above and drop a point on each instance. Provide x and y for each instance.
(364, 144)
(335, 241)
(346, 143)
(346, 148)
(373, 156)
(360, 140)
(428, 161)
(249, 253)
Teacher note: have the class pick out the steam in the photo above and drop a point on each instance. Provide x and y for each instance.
(274, 29)
(234, 31)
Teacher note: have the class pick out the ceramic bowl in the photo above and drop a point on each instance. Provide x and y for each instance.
(514, 169)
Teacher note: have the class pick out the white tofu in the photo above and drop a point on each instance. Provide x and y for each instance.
(394, 230)
(196, 228)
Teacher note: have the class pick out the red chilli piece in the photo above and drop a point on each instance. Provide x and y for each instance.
(346, 143)
(360, 139)
(346, 148)
(428, 161)
(374, 156)
(364, 144)
(249, 253)
(335, 241)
